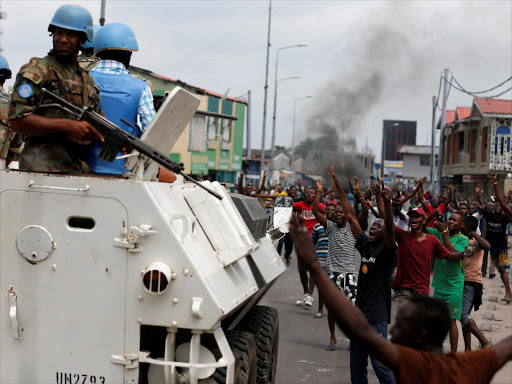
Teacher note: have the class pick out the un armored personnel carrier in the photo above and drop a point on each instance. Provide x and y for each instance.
(109, 280)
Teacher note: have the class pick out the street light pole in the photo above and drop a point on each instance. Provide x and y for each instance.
(272, 147)
(292, 157)
(275, 101)
(262, 164)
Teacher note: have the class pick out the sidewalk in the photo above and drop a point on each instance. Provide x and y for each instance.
(494, 318)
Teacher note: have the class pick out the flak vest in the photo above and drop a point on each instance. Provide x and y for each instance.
(120, 98)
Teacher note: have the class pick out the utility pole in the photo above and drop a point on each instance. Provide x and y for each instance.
(433, 145)
(248, 138)
(440, 159)
(262, 166)
(102, 12)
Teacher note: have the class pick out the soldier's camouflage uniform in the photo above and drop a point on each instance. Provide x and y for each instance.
(56, 153)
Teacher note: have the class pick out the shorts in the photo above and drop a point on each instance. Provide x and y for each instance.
(453, 301)
(468, 296)
(500, 259)
(346, 283)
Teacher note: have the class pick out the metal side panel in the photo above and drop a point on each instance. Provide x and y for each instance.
(69, 308)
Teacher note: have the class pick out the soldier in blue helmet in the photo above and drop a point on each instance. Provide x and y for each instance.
(10, 144)
(123, 97)
(54, 142)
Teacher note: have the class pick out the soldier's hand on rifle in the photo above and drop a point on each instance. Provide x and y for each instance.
(83, 131)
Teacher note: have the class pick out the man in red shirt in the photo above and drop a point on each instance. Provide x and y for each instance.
(305, 210)
(416, 252)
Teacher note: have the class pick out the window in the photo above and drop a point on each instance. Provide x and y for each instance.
(483, 153)
(213, 123)
(425, 160)
(197, 134)
(227, 126)
(473, 146)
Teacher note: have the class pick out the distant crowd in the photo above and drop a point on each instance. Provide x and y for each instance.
(408, 243)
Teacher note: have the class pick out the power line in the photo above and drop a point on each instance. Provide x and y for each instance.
(480, 92)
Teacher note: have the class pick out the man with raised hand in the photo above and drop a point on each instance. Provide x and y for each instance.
(341, 256)
(415, 353)
(377, 251)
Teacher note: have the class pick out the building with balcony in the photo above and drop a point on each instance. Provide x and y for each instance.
(476, 140)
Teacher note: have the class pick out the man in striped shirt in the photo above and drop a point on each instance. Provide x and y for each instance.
(321, 241)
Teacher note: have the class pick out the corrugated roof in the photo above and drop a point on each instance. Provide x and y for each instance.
(450, 116)
(494, 106)
(463, 113)
(201, 90)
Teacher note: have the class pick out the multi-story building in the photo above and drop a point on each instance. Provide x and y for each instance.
(396, 133)
(476, 140)
(208, 146)
(416, 160)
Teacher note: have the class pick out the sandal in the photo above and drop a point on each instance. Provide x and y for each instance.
(331, 347)
(318, 315)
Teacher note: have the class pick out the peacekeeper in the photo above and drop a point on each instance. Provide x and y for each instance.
(53, 142)
(123, 97)
(10, 143)
(87, 60)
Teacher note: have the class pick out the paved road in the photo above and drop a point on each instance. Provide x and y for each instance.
(302, 338)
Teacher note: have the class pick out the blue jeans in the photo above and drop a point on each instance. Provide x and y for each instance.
(359, 361)
(468, 296)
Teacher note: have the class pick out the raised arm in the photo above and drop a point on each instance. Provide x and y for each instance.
(493, 177)
(389, 227)
(483, 243)
(262, 185)
(348, 317)
(345, 204)
(378, 197)
(316, 203)
(300, 187)
(413, 192)
(478, 196)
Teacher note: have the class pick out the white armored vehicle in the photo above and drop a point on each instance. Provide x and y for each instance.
(108, 280)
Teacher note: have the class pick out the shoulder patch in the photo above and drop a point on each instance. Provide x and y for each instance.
(25, 90)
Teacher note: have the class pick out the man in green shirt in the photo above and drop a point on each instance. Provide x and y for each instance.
(449, 275)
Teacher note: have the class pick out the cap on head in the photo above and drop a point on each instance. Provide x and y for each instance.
(115, 36)
(418, 211)
(90, 44)
(5, 71)
(73, 18)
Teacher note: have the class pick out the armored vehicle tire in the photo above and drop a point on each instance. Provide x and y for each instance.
(263, 323)
(243, 346)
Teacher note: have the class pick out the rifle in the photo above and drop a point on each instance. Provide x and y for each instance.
(116, 138)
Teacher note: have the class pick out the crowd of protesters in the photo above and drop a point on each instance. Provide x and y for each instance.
(407, 243)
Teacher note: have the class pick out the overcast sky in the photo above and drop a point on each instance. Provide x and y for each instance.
(383, 59)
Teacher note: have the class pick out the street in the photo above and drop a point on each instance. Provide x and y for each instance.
(302, 338)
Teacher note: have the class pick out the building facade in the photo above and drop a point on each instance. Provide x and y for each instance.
(477, 140)
(416, 161)
(209, 146)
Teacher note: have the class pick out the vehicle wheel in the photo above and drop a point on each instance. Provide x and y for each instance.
(243, 346)
(263, 323)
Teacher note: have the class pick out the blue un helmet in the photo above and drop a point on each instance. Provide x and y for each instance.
(5, 71)
(115, 36)
(73, 18)
(89, 44)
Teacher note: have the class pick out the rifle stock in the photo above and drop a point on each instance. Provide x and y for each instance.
(116, 138)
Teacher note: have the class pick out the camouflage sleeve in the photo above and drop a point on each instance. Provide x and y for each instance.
(27, 89)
